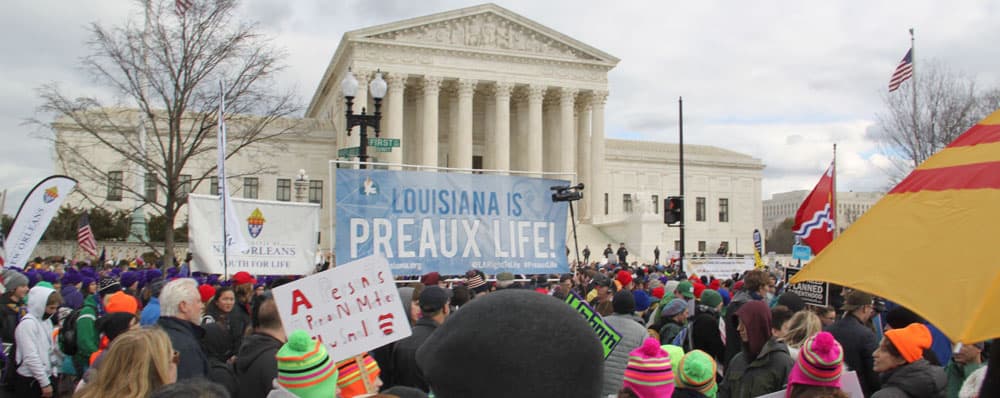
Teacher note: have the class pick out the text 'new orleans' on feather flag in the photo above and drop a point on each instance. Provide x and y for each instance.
(814, 221)
(929, 243)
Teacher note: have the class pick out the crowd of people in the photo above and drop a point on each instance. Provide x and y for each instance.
(127, 330)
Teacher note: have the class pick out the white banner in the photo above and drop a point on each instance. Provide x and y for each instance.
(33, 218)
(352, 308)
(718, 267)
(281, 236)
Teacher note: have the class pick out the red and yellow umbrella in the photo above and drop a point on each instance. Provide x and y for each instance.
(932, 244)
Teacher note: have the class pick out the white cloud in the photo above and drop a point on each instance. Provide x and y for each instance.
(781, 81)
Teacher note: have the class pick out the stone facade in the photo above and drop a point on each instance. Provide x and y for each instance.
(850, 206)
(484, 88)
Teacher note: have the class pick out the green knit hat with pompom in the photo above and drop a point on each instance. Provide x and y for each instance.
(304, 367)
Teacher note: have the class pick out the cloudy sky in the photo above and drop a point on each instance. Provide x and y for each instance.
(780, 80)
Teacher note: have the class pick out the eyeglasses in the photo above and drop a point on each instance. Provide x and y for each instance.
(176, 359)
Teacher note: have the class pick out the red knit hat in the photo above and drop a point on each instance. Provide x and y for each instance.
(698, 288)
(624, 277)
(206, 292)
(658, 292)
(714, 284)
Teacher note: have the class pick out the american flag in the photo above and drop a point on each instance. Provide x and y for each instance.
(903, 71)
(85, 236)
(183, 6)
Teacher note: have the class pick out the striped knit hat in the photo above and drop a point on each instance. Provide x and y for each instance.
(697, 372)
(305, 369)
(820, 363)
(648, 372)
(349, 382)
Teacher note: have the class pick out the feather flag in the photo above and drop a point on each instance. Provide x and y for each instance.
(814, 221)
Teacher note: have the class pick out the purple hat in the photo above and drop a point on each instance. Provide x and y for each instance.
(71, 277)
(88, 272)
(33, 278)
(213, 279)
(50, 277)
(128, 278)
(172, 272)
(152, 275)
(86, 280)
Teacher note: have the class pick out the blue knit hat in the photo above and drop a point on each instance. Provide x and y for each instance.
(641, 300)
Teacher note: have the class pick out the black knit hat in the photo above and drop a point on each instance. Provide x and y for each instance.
(623, 302)
(513, 343)
(107, 286)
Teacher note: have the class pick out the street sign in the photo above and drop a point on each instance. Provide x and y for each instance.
(801, 252)
(383, 143)
(349, 152)
(814, 293)
(382, 149)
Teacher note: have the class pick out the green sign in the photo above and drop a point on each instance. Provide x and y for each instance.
(384, 143)
(349, 152)
(605, 333)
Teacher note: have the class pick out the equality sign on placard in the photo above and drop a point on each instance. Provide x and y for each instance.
(814, 293)
(352, 308)
(608, 336)
(451, 222)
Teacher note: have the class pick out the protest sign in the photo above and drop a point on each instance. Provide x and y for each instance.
(718, 267)
(281, 236)
(813, 293)
(352, 308)
(450, 222)
(608, 336)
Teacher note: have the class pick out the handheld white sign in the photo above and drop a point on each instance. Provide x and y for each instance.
(352, 308)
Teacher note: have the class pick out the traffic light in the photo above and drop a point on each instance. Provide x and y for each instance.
(673, 210)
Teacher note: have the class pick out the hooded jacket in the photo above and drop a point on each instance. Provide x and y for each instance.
(762, 367)
(150, 313)
(705, 333)
(633, 334)
(87, 339)
(256, 366)
(918, 379)
(733, 342)
(36, 351)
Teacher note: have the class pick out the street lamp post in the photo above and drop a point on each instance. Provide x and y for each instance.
(377, 88)
(301, 183)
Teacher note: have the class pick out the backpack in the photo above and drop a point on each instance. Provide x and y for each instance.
(683, 338)
(67, 334)
(9, 371)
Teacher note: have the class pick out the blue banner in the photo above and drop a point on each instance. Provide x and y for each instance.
(451, 222)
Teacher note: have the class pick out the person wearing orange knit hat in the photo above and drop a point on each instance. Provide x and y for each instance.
(350, 382)
(900, 362)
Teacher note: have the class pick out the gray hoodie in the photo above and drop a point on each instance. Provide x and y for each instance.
(36, 354)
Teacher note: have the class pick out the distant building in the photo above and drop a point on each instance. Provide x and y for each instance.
(850, 206)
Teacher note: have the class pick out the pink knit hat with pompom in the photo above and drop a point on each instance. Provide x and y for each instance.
(820, 363)
(649, 373)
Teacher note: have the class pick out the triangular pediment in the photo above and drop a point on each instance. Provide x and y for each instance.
(487, 27)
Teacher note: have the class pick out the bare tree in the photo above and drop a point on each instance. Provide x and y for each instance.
(162, 69)
(947, 104)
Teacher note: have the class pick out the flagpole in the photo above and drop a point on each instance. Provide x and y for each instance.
(913, 88)
(833, 215)
(224, 187)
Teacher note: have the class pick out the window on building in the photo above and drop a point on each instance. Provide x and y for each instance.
(701, 245)
(656, 204)
(184, 186)
(316, 192)
(150, 188)
(699, 209)
(723, 210)
(627, 203)
(114, 186)
(251, 186)
(677, 245)
(605, 203)
(213, 186)
(477, 164)
(284, 191)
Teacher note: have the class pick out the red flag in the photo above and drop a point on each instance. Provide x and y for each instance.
(814, 221)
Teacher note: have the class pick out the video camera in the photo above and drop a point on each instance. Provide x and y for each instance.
(567, 193)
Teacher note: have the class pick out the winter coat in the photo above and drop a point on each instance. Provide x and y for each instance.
(72, 297)
(186, 339)
(87, 338)
(256, 366)
(406, 372)
(687, 393)
(763, 375)
(151, 312)
(37, 354)
(10, 313)
(957, 373)
(918, 379)
(733, 343)
(858, 342)
(669, 330)
(633, 334)
(227, 334)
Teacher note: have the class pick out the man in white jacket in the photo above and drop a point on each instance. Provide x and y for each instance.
(37, 356)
